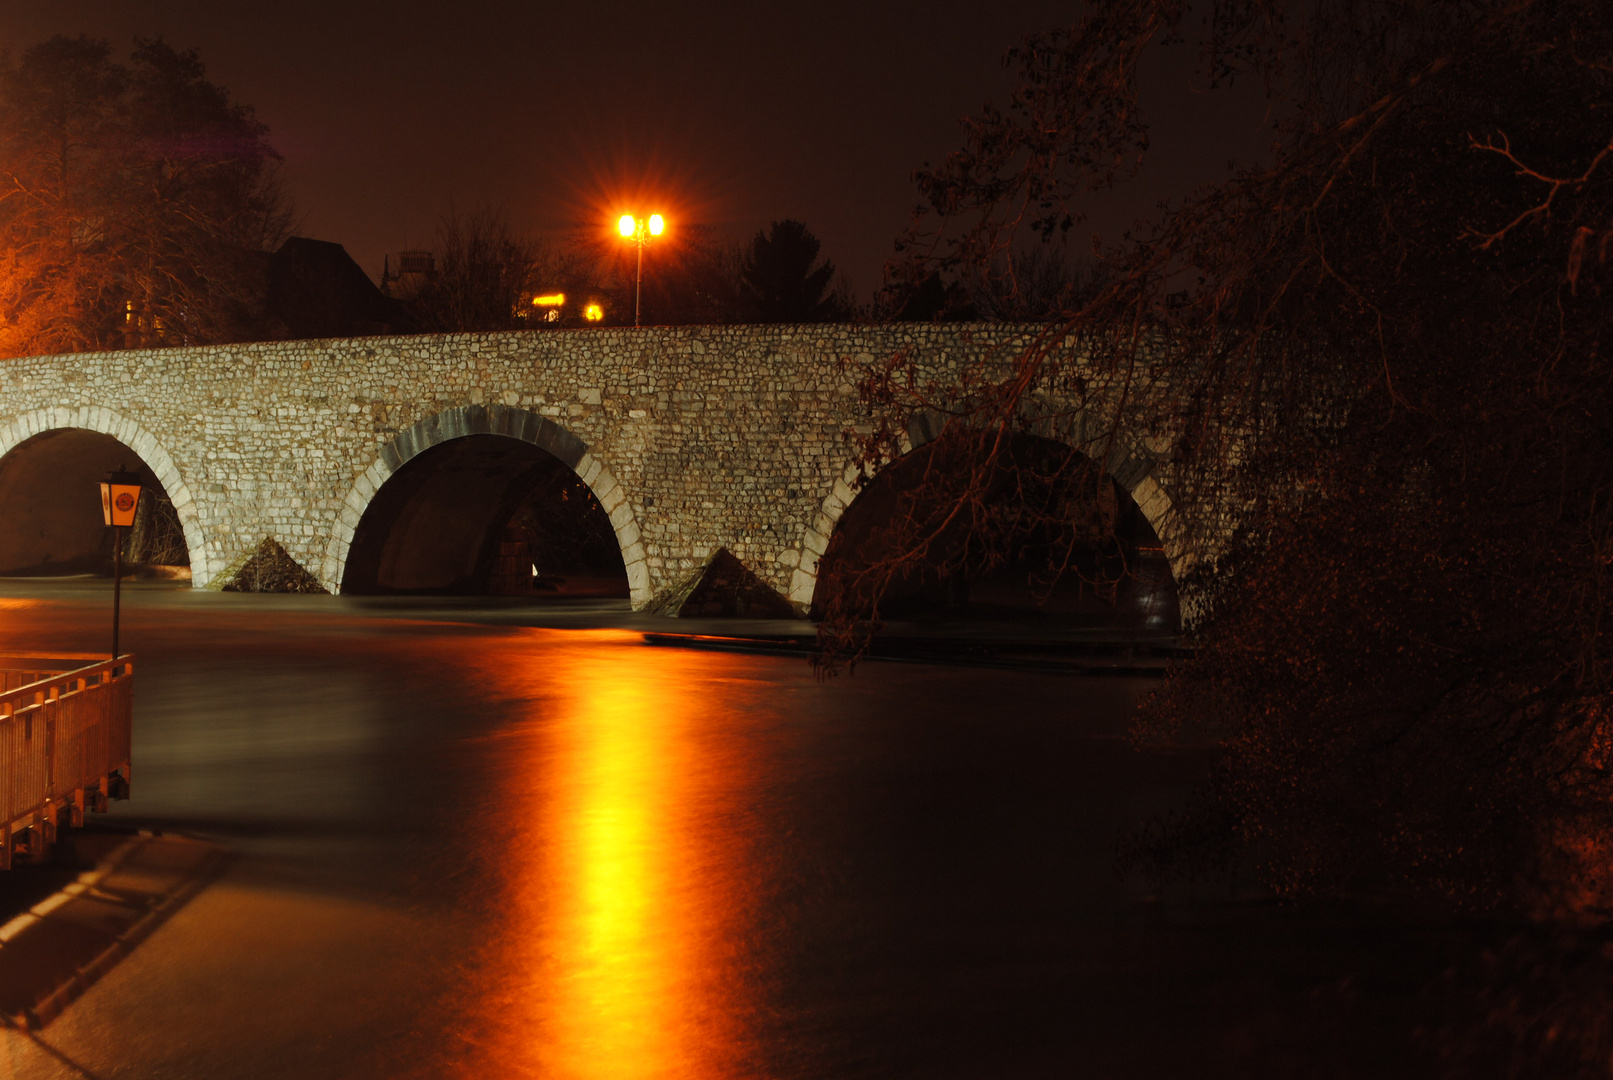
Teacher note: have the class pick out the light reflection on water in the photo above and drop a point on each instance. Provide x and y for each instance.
(561, 853)
(627, 896)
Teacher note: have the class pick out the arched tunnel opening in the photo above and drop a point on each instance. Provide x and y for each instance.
(1044, 537)
(485, 515)
(50, 510)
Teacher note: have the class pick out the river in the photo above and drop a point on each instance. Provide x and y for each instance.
(466, 847)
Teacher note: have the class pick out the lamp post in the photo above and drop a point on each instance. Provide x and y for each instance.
(639, 230)
(120, 498)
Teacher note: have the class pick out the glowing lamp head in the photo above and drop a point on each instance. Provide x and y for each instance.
(627, 226)
(120, 498)
(593, 313)
(549, 299)
(656, 224)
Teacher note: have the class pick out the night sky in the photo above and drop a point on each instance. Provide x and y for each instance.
(390, 115)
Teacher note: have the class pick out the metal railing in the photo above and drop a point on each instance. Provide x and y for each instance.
(64, 744)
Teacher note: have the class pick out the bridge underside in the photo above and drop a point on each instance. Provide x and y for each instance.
(50, 509)
(1049, 539)
(481, 515)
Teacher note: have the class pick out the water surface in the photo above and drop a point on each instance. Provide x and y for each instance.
(468, 848)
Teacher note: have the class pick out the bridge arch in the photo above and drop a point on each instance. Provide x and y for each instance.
(502, 420)
(1131, 465)
(143, 444)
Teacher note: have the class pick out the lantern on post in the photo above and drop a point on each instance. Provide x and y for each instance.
(120, 499)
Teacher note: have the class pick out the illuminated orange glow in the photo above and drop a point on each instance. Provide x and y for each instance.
(550, 299)
(628, 891)
(593, 313)
(657, 173)
(634, 229)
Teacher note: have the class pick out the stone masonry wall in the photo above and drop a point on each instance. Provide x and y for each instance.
(692, 437)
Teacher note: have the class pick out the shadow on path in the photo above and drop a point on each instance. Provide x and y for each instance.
(70, 921)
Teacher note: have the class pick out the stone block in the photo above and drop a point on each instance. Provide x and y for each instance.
(802, 585)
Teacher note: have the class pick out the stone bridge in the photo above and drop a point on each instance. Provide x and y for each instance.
(690, 438)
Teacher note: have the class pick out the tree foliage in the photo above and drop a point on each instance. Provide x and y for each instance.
(1374, 366)
(135, 201)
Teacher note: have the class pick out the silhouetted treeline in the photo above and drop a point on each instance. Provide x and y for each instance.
(486, 277)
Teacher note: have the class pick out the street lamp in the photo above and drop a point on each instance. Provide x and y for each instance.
(639, 231)
(120, 498)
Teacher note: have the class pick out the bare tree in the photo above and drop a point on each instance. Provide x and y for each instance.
(1375, 369)
(483, 270)
(137, 201)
